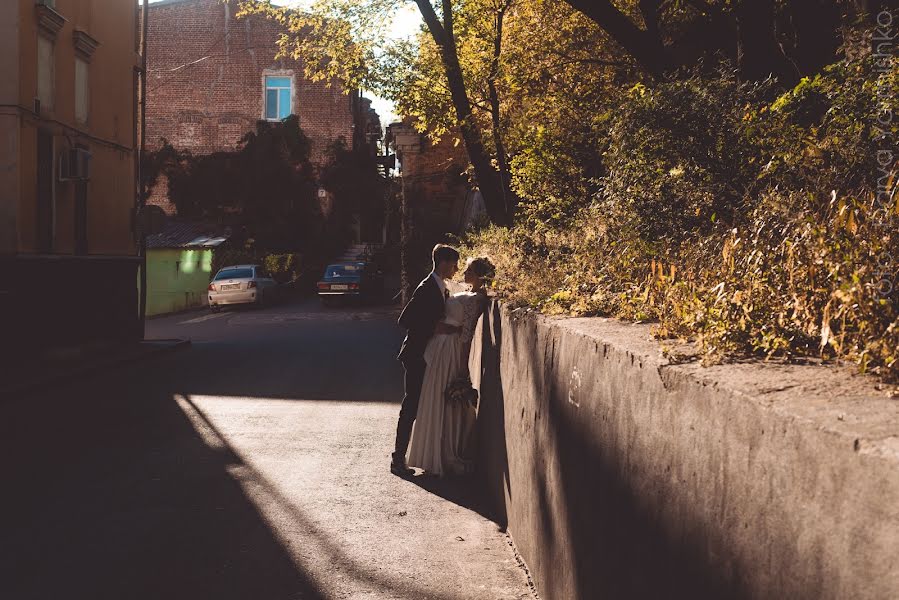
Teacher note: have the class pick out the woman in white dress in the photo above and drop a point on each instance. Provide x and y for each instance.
(442, 436)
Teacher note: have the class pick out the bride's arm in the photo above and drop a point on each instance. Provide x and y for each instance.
(464, 368)
(474, 307)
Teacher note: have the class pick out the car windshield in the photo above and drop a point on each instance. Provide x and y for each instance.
(343, 271)
(234, 274)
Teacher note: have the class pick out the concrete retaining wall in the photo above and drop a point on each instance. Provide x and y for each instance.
(621, 475)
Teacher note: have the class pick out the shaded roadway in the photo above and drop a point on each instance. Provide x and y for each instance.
(252, 465)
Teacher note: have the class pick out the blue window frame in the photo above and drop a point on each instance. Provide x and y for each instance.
(277, 98)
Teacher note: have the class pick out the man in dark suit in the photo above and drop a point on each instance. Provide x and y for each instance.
(422, 319)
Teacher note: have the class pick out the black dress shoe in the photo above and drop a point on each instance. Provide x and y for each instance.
(401, 470)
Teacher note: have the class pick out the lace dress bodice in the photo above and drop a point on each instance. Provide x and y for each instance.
(463, 310)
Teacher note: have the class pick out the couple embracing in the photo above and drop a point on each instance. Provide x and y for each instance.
(440, 326)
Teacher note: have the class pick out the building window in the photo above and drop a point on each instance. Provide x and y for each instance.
(46, 72)
(277, 98)
(82, 90)
(192, 131)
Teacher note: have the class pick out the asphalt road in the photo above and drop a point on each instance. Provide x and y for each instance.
(253, 465)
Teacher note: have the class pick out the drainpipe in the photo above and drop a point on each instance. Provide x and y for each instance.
(142, 188)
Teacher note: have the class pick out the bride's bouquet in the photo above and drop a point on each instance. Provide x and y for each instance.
(460, 391)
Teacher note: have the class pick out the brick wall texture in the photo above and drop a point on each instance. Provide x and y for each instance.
(205, 83)
(437, 189)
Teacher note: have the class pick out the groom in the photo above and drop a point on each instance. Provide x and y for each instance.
(422, 319)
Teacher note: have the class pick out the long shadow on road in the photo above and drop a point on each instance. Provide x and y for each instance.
(111, 492)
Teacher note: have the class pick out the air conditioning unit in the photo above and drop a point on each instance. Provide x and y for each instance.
(75, 165)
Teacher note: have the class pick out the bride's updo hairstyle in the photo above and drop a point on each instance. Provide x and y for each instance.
(482, 267)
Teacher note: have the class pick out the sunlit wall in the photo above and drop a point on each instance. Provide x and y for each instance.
(177, 279)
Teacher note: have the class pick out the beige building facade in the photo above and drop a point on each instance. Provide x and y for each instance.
(68, 132)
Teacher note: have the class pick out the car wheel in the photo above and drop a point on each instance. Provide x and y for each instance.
(215, 308)
(327, 302)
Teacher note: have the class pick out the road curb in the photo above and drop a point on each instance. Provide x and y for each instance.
(152, 348)
(183, 311)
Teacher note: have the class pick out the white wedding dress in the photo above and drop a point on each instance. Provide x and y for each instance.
(442, 436)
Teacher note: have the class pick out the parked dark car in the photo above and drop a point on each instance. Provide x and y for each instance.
(346, 280)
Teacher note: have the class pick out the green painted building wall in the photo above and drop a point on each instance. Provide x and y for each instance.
(177, 279)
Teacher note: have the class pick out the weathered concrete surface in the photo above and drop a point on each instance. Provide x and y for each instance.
(624, 476)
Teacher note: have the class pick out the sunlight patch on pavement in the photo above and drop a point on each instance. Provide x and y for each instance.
(208, 317)
(293, 478)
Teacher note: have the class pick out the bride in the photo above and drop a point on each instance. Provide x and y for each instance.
(442, 436)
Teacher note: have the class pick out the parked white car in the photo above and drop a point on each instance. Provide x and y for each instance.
(242, 284)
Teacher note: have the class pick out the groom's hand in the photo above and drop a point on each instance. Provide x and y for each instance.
(445, 329)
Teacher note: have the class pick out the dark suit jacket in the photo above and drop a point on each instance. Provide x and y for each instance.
(420, 316)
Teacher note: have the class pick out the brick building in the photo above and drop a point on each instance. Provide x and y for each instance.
(436, 195)
(212, 76)
(437, 190)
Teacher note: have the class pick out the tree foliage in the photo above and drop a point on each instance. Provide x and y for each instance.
(788, 39)
(708, 164)
(267, 185)
(345, 40)
(359, 190)
(749, 222)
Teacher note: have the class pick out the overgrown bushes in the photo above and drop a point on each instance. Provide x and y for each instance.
(283, 267)
(265, 191)
(750, 223)
(266, 186)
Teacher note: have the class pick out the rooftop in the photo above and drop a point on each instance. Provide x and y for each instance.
(182, 234)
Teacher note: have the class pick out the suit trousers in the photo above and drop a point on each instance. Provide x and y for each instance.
(415, 375)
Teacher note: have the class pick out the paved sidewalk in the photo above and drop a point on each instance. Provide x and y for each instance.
(67, 364)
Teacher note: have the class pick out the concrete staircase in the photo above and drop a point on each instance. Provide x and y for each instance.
(360, 252)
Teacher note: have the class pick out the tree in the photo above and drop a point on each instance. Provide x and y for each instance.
(785, 38)
(644, 45)
(491, 186)
(344, 40)
(563, 77)
(419, 89)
